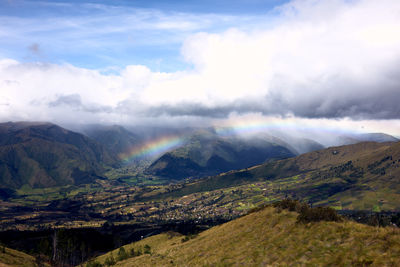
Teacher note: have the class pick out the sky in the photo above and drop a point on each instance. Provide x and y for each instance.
(329, 64)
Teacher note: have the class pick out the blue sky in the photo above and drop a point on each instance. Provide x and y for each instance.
(106, 34)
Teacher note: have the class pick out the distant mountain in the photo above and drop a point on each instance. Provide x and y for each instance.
(298, 145)
(206, 153)
(377, 137)
(45, 155)
(304, 145)
(368, 137)
(115, 138)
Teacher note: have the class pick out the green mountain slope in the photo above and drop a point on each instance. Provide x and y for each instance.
(45, 155)
(361, 176)
(269, 238)
(207, 153)
(115, 138)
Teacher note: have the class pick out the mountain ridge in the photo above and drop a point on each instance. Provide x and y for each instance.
(44, 154)
(363, 176)
(206, 153)
(115, 138)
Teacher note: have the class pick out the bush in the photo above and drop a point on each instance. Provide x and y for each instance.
(289, 204)
(147, 249)
(306, 213)
(110, 260)
(132, 252)
(188, 237)
(122, 255)
(139, 252)
(318, 214)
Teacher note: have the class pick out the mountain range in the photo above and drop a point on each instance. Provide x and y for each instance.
(115, 138)
(54, 177)
(206, 153)
(45, 155)
(41, 154)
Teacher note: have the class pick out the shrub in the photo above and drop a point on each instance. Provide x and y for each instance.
(132, 252)
(110, 260)
(289, 204)
(188, 237)
(147, 249)
(306, 213)
(317, 214)
(122, 255)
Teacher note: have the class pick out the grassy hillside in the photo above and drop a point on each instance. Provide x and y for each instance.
(362, 176)
(11, 257)
(115, 138)
(46, 155)
(269, 237)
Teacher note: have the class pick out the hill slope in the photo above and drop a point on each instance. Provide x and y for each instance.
(271, 238)
(207, 153)
(367, 137)
(115, 138)
(44, 155)
(361, 176)
(11, 257)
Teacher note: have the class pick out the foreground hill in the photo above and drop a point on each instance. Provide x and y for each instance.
(44, 155)
(206, 153)
(265, 238)
(11, 257)
(363, 176)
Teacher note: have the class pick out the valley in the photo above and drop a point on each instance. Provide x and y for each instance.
(131, 200)
(199, 133)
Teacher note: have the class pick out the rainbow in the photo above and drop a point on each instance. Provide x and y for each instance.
(252, 126)
(153, 148)
(248, 126)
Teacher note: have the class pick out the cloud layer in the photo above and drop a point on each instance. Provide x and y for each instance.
(330, 59)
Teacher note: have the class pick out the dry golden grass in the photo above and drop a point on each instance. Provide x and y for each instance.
(268, 238)
(15, 258)
(342, 154)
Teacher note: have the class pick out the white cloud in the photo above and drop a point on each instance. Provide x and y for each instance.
(331, 58)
